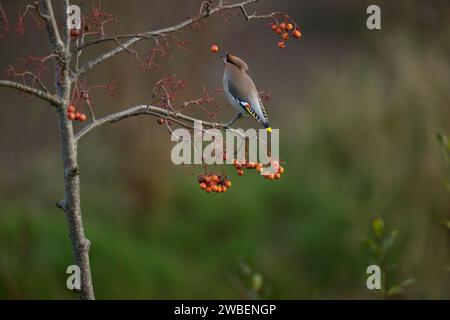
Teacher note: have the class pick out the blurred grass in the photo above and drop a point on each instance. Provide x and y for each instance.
(358, 143)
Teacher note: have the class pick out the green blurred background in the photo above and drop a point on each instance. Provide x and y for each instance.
(358, 110)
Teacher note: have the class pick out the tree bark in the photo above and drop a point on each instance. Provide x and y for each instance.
(71, 205)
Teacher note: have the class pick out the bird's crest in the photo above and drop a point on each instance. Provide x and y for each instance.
(238, 62)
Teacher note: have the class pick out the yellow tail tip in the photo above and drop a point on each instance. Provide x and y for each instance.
(269, 129)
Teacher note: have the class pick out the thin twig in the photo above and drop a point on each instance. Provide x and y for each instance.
(162, 32)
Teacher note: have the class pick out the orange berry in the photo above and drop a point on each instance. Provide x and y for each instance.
(277, 176)
(270, 176)
(289, 26)
(282, 26)
(259, 167)
(227, 183)
(70, 109)
(281, 45)
(214, 48)
(224, 189)
(279, 31)
(214, 188)
(240, 172)
(160, 121)
(280, 169)
(215, 178)
(77, 116)
(208, 189)
(71, 116)
(203, 186)
(82, 117)
(297, 34)
(285, 36)
(219, 189)
(274, 26)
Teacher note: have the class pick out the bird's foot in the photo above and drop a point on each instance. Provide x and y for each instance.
(238, 116)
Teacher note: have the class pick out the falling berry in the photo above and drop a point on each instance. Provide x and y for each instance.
(214, 48)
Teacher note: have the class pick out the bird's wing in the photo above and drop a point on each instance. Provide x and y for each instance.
(244, 92)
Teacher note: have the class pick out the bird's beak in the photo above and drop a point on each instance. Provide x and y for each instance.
(224, 57)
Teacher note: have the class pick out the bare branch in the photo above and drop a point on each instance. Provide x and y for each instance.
(163, 32)
(45, 10)
(180, 118)
(54, 100)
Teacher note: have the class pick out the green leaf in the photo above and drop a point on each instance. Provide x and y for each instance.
(441, 138)
(447, 223)
(400, 288)
(257, 282)
(389, 241)
(378, 227)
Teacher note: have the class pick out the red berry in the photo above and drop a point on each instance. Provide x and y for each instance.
(214, 48)
(71, 116)
(70, 109)
(160, 121)
(240, 172)
(74, 33)
(281, 45)
(297, 34)
(82, 117)
(77, 116)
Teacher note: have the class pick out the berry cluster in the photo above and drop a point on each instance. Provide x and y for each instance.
(258, 167)
(283, 30)
(214, 183)
(72, 114)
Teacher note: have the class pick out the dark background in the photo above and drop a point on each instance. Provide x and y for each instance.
(358, 113)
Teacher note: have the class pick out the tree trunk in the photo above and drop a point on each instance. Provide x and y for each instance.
(71, 204)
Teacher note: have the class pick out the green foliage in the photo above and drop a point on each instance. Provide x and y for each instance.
(380, 246)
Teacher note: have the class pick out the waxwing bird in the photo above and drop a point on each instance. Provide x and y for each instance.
(241, 90)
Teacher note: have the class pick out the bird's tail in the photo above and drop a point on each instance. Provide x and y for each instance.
(267, 127)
